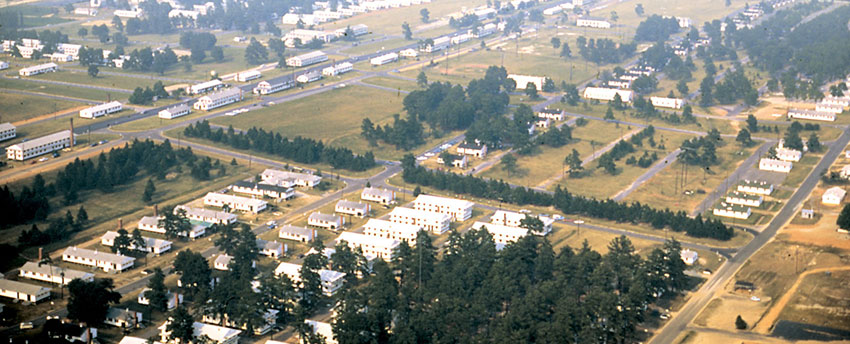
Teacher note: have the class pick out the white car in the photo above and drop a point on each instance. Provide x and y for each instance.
(755, 298)
(429, 154)
(43, 159)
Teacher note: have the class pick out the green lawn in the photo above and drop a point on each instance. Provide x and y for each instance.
(56, 124)
(389, 21)
(801, 170)
(395, 83)
(699, 11)
(334, 117)
(82, 78)
(19, 107)
(74, 92)
(365, 45)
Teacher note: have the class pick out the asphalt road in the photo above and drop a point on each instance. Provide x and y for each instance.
(660, 165)
(700, 298)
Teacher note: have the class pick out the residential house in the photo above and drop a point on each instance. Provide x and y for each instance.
(459, 210)
(245, 204)
(322, 328)
(352, 208)
(23, 291)
(372, 247)
(436, 223)
(392, 230)
(122, 317)
(39, 146)
(689, 257)
(833, 196)
(107, 261)
(272, 249)
(296, 233)
(328, 221)
(382, 196)
(474, 149)
(52, 273)
(331, 280)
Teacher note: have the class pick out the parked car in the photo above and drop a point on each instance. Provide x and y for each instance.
(26, 325)
(43, 159)
(755, 298)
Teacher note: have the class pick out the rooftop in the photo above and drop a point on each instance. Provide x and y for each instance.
(325, 217)
(452, 202)
(42, 140)
(352, 205)
(21, 287)
(98, 255)
(53, 270)
(358, 239)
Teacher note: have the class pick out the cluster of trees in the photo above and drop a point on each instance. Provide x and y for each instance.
(146, 60)
(503, 130)
(622, 148)
(199, 43)
(256, 52)
(564, 201)
(656, 28)
(701, 151)
(147, 95)
(644, 161)
(792, 138)
(31, 203)
(555, 136)
(403, 133)
(299, 149)
(735, 86)
(155, 20)
(467, 21)
(604, 50)
(59, 229)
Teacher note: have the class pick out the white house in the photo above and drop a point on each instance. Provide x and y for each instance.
(756, 187)
(23, 291)
(543, 123)
(107, 261)
(787, 154)
(322, 328)
(383, 196)
(60, 57)
(42, 145)
(486, 30)
(289, 179)
(836, 109)
(151, 224)
(134, 13)
(440, 43)
(459, 210)
(52, 273)
(156, 246)
(372, 247)
(337, 69)
(352, 208)
(272, 248)
(553, 114)
(473, 149)
(173, 299)
(204, 87)
(122, 317)
(664, 102)
(459, 161)
(174, 111)
(811, 115)
(774, 165)
(384, 59)
(502, 234)
(222, 262)
(262, 190)
(101, 110)
(733, 211)
(218, 99)
(247, 76)
(245, 204)
(409, 53)
(689, 257)
(842, 101)
(305, 36)
(207, 216)
(607, 94)
(833, 196)
(741, 198)
(309, 77)
(331, 280)
(597, 23)
(307, 59)
(7, 131)
(514, 219)
(216, 334)
(265, 87)
(392, 230)
(296, 233)
(436, 223)
(328, 221)
(38, 69)
(522, 81)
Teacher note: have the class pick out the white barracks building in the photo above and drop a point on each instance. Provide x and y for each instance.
(391, 230)
(101, 110)
(436, 223)
(42, 145)
(107, 261)
(372, 247)
(459, 210)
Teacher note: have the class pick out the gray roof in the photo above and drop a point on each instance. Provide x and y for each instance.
(268, 245)
(43, 140)
(468, 145)
(378, 192)
(352, 205)
(97, 255)
(53, 270)
(26, 288)
(224, 94)
(260, 186)
(6, 126)
(178, 108)
(295, 230)
(324, 217)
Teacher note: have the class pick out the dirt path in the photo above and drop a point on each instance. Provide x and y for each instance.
(766, 323)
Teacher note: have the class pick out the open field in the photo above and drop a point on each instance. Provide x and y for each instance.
(389, 21)
(822, 299)
(597, 183)
(661, 190)
(699, 10)
(33, 16)
(21, 107)
(548, 162)
(568, 236)
(699, 125)
(396, 83)
(801, 169)
(74, 92)
(104, 80)
(373, 43)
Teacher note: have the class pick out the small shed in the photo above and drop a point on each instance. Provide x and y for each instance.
(807, 213)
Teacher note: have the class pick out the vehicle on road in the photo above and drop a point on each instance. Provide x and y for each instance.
(26, 325)
(43, 159)
(271, 224)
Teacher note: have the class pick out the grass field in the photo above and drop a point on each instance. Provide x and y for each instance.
(368, 44)
(801, 170)
(699, 10)
(73, 92)
(389, 21)
(597, 183)
(396, 83)
(660, 191)
(20, 107)
(104, 80)
(548, 162)
(822, 299)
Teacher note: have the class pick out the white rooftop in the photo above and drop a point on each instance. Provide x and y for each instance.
(358, 239)
(42, 140)
(452, 202)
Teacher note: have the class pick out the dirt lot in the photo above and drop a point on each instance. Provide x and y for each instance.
(722, 311)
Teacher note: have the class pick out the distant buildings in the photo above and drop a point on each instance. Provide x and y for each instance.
(247, 76)
(337, 69)
(811, 115)
(156, 246)
(744, 199)
(472, 149)
(263, 190)
(670, 103)
(384, 59)
(101, 110)
(204, 87)
(514, 219)
(216, 334)
(522, 81)
(607, 94)
(689, 257)
(593, 22)
(732, 210)
(502, 235)
(307, 59)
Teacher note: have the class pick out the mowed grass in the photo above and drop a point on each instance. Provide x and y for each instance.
(53, 125)
(373, 43)
(396, 83)
(102, 80)
(388, 21)
(50, 89)
(333, 117)
(661, 191)
(699, 11)
(21, 107)
(597, 183)
(548, 162)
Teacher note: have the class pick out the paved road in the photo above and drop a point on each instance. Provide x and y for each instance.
(700, 298)
(667, 161)
(731, 180)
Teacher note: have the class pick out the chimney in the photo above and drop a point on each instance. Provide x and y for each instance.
(120, 223)
(155, 210)
(39, 253)
(72, 132)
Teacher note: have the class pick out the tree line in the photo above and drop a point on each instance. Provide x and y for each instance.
(604, 50)
(565, 201)
(299, 149)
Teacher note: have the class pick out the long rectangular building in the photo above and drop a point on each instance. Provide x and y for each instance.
(502, 234)
(204, 87)
(436, 223)
(392, 230)
(218, 99)
(107, 261)
(39, 69)
(514, 219)
(156, 246)
(235, 202)
(174, 111)
(42, 145)
(151, 224)
(265, 87)
(307, 59)
(262, 190)
(331, 280)
(23, 291)
(52, 273)
(383, 196)
(207, 216)
(459, 210)
(811, 115)
(607, 94)
(372, 247)
(289, 179)
(8, 131)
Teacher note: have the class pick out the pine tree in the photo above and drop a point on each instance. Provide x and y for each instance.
(158, 294)
(740, 323)
(147, 196)
(844, 218)
(82, 217)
